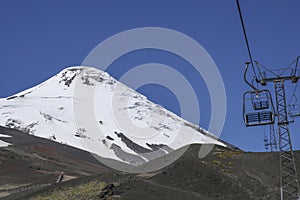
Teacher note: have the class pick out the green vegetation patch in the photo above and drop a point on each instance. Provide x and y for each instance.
(227, 154)
(85, 191)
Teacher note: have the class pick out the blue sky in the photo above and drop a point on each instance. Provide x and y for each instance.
(40, 38)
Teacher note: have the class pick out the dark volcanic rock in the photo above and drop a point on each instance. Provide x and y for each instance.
(107, 191)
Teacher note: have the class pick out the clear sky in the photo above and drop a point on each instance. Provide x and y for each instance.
(40, 38)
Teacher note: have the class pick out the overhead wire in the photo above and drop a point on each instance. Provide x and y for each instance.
(246, 39)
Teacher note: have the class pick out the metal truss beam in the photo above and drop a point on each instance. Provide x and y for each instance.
(288, 181)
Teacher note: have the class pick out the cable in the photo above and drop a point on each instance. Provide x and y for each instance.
(246, 38)
(294, 95)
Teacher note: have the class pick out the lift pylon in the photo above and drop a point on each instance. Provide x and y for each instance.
(289, 183)
(271, 141)
(289, 186)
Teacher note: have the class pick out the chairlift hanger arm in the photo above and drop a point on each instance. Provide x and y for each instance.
(245, 77)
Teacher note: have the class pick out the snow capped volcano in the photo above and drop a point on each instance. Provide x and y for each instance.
(49, 110)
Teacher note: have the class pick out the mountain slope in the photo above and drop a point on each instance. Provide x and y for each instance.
(48, 110)
(224, 174)
(32, 162)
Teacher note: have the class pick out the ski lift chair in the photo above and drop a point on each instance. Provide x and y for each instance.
(258, 108)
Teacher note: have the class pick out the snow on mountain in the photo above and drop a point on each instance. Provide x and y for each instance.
(2, 143)
(47, 110)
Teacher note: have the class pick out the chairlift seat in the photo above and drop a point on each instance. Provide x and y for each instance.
(261, 105)
(259, 118)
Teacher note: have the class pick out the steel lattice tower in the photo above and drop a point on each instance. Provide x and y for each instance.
(288, 181)
(273, 141)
